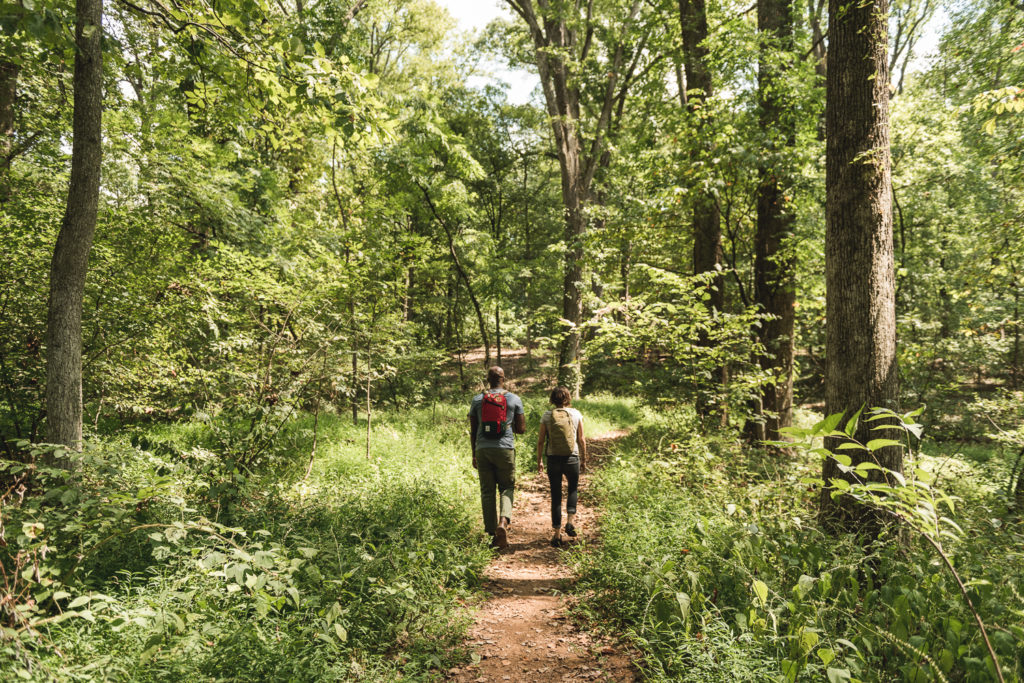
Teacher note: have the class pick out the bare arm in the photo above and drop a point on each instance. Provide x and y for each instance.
(582, 441)
(519, 424)
(542, 435)
(473, 423)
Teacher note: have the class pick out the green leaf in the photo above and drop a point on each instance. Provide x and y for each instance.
(838, 675)
(828, 424)
(805, 584)
(842, 459)
(808, 639)
(79, 601)
(340, 631)
(826, 655)
(851, 425)
(761, 591)
(684, 605)
(876, 444)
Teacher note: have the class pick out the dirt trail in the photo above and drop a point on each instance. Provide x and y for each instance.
(522, 632)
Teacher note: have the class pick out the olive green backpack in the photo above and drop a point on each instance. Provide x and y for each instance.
(561, 435)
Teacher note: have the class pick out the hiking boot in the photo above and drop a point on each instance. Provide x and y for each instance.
(570, 531)
(501, 537)
(556, 543)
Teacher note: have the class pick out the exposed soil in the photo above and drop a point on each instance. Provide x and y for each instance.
(522, 631)
(524, 372)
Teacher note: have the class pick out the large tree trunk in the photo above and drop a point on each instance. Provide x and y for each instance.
(707, 224)
(774, 264)
(71, 253)
(555, 51)
(859, 275)
(707, 228)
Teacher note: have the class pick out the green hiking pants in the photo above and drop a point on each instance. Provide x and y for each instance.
(497, 469)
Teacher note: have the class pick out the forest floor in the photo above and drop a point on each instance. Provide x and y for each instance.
(522, 630)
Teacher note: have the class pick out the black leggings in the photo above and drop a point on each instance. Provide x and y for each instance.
(559, 465)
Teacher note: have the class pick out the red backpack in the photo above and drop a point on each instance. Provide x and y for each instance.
(493, 411)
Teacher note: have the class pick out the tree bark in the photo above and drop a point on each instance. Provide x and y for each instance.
(707, 223)
(556, 48)
(861, 366)
(8, 93)
(74, 242)
(497, 330)
(774, 263)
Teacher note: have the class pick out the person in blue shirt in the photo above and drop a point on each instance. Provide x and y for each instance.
(494, 456)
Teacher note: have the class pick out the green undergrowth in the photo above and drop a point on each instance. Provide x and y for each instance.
(712, 564)
(161, 561)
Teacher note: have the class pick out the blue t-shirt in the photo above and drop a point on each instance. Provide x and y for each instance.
(508, 439)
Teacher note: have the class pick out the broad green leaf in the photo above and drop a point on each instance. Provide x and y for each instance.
(761, 591)
(838, 675)
(876, 444)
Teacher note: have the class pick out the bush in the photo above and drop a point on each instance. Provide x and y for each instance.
(712, 564)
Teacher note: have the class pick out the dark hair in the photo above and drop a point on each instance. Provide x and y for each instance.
(494, 375)
(560, 397)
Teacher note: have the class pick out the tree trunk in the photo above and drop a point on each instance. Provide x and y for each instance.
(569, 371)
(410, 274)
(555, 51)
(774, 263)
(859, 274)
(8, 92)
(497, 330)
(1015, 352)
(71, 253)
(707, 226)
(463, 275)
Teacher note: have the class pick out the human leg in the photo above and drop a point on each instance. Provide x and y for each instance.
(504, 460)
(555, 484)
(572, 476)
(487, 489)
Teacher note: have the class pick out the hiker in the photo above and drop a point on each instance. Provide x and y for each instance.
(495, 416)
(561, 439)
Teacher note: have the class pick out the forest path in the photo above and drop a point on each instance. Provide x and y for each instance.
(522, 631)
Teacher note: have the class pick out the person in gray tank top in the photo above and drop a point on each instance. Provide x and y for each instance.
(561, 440)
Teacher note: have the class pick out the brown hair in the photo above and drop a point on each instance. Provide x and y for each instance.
(560, 397)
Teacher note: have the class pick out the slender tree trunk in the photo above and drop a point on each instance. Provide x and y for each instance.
(71, 252)
(8, 93)
(1015, 353)
(355, 387)
(569, 371)
(774, 264)
(409, 279)
(463, 275)
(369, 407)
(458, 337)
(859, 274)
(497, 330)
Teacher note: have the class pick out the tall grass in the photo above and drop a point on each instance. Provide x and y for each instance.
(358, 572)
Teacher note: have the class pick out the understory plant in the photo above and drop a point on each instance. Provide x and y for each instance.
(712, 563)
